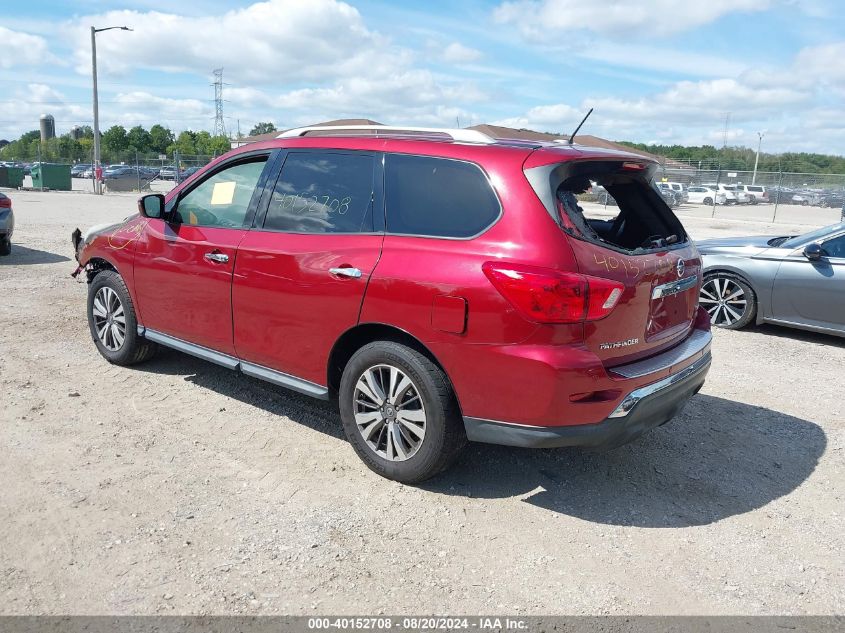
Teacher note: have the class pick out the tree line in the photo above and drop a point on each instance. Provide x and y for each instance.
(117, 144)
(742, 158)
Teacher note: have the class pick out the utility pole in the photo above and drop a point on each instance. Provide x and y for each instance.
(98, 188)
(219, 128)
(725, 135)
(757, 158)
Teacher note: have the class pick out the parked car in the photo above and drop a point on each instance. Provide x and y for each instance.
(670, 197)
(78, 170)
(425, 280)
(168, 172)
(741, 196)
(730, 195)
(706, 195)
(755, 193)
(832, 200)
(680, 188)
(797, 281)
(7, 224)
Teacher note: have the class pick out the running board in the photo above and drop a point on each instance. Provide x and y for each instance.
(231, 362)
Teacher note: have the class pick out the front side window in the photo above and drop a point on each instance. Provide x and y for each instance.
(323, 192)
(222, 200)
(437, 197)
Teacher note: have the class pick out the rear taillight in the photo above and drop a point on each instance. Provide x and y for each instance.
(549, 296)
(5, 203)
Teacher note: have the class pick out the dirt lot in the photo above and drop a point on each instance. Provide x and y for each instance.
(179, 487)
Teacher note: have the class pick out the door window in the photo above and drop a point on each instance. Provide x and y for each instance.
(835, 247)
(323, 192)
(437, 197)
(223, 199)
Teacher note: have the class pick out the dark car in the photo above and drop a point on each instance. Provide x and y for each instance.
(78, 170)
(441, 286)
(833, 200)
(7, 224)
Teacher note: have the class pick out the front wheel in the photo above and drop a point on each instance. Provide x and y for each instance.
(729, 300)
(112, 321)
(399, 412)
(708, 202)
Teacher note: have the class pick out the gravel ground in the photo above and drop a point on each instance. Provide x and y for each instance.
(179, 487)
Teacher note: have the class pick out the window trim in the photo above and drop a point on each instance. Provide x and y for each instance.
(271, 156)
(487, 179)
(377, 196)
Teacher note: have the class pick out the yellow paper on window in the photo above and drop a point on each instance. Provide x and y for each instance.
(223, 192)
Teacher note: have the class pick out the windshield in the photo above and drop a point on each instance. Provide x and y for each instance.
(813, 236)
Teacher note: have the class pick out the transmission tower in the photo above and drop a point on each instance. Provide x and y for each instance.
(219, 127)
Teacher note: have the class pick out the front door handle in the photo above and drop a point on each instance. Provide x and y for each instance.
(346, 272)
(219, 258)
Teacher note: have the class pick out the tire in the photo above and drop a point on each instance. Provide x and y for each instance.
(805, 203)
(108, 302)
(708, 202)
(5, 246)
(426, 403)
(719, 297)
(752, 200)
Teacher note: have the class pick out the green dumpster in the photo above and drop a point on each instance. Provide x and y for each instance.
(11, 177)
(51, 176)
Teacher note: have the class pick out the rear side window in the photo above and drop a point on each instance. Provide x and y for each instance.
(323, 192)
(437, 197)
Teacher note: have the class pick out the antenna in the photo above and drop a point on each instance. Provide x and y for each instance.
(725, 134)
(219, 128)
(572, 138)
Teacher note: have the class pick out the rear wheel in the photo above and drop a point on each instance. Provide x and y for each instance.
(112, 321)
(729, 300)
(752, 200)
(708, 202)
(399, 412)
(5, 246)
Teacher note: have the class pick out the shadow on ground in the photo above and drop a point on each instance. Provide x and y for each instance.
(22, 256)
(717, 459)
(805, 336)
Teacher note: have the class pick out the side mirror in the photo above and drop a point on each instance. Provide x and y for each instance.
(152, 205)
(813, 252)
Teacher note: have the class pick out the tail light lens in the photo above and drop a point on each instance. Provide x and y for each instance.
(549, 296)
(5, 203)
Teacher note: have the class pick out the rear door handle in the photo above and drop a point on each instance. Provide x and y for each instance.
(346, 272)
(220, 258)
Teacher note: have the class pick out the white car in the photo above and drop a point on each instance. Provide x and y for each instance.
(757, 193)
(706, 195)
(730, 194)
(742, 197)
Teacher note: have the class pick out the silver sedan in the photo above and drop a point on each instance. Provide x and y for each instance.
(797, 281)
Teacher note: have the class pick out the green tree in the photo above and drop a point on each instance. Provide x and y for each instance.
(160, 138)
(262, 128)
(139, 139)
(115, 141)
(185, 144)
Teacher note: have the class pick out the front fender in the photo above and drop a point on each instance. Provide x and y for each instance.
(759, 273)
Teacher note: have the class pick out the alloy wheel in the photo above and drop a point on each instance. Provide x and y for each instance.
(724, 300)
(109, 319)
(389, 412)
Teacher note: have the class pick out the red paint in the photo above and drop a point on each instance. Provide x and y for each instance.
(276, 304)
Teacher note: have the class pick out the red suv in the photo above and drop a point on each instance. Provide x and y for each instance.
(441, 285)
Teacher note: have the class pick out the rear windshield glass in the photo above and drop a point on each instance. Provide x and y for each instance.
(620, 209)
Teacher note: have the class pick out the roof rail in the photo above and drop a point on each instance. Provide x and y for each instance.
(456, 134)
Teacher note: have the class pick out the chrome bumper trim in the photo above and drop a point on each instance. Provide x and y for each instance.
(631, 400)
(696, 342)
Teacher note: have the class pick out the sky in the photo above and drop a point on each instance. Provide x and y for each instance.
(655, 71)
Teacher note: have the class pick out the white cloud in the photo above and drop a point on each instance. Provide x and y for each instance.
(274, 41)
(22, 49)
(27, 103)
(457, 53)
(642, 20)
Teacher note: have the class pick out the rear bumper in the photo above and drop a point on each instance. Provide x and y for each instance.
(641, 410)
